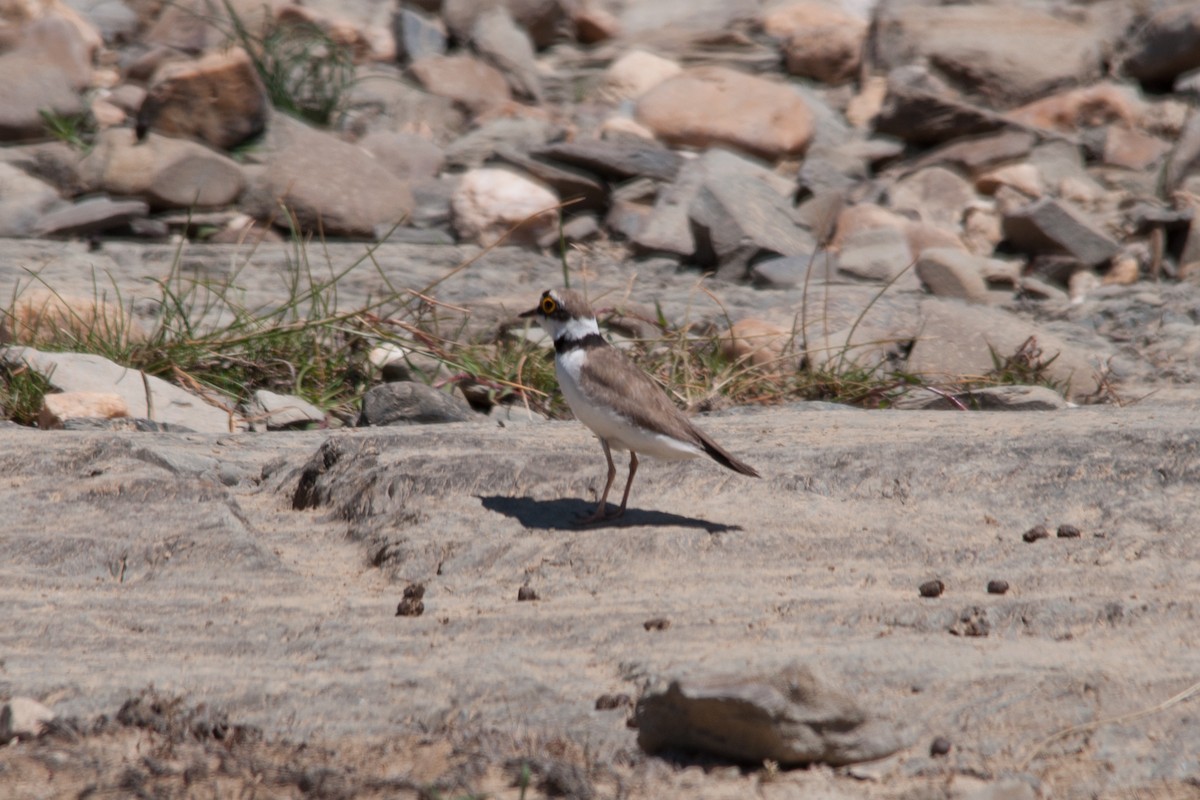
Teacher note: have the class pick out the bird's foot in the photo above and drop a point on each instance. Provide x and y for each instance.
(601, 514)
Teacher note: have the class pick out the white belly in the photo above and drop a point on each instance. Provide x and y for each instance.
(606, 423)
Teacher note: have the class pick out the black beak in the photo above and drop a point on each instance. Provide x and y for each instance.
(533, 312)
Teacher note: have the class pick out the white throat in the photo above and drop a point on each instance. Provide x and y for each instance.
(572, 328)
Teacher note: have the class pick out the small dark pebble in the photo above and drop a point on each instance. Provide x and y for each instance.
(931, 589)
(527, 593)
(1035, 533)
(1068, 532)
(657, 624)
(939, 746)
(997, 587)
(607, 702)
(411, 605)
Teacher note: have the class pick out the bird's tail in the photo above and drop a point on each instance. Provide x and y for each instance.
(723, 458)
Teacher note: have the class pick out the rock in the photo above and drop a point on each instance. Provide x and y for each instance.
(218, 99)
(583, 190)
(23, 718)
(325, 183)
(1050, 226)
(417, 36)
(467, 81)
(921, 110)
(819, 41)
(875, 254)
(78, 372)
(23, 201)
(755, 342)
(935, 195)
(1132, 149)
(1185, 157)
(31, 88)
(1087, 107)
(953, 273)
(975, 154)
(1166, 46)
(1025, 178)
(633, 74)
(615, 161)
(89, 216)
(726, 210)
(737, 218)
(40, 316)
(1001, 53)
(958, 340)
(594, 25)
(405, 155)
(714, 106)
(60, 407)
(491, 203)
(278, 411)
(789, 272)
(165, 172)
(477, 147)
(409, 403)
(789, 717)
(498, 39)
(580, 228)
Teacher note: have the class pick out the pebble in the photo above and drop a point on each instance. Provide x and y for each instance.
(997, 587)
(657, 624)
(933, 588)
(411, 605)
(1035, 533)
(1068, 532)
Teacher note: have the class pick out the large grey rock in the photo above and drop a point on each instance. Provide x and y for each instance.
(29, 89)
(875, 254)
(165, 172)
(958, 340)
(1002, 53)
(417, 35)
(616, 160)
(921, 109)
(1052, 226)
(326, 184)
(79, 372)
(790, 717)
(90, 215)
(409, 403)
(276, 411)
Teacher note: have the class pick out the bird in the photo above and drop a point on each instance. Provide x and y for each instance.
(622, 404)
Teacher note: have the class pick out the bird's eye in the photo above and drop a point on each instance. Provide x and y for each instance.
(548, 305)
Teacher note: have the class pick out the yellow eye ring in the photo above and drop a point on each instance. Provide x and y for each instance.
(548, 305)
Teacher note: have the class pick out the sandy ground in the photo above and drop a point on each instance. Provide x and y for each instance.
(178, 562)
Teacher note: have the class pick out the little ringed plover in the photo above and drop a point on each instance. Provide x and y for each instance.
(622, 405)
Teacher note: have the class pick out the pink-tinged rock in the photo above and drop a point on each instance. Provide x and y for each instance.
(594, 24)
(1025, 178)
(467, 81)
(218, 99)
(1132, 149)
(716, 106)
(490, 203)
(819, 41)
(167, 173)
(42, 316)
(756, 342)
(58, 408)
(1087, 107)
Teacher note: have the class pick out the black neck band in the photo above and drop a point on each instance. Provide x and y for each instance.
(563, 344)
